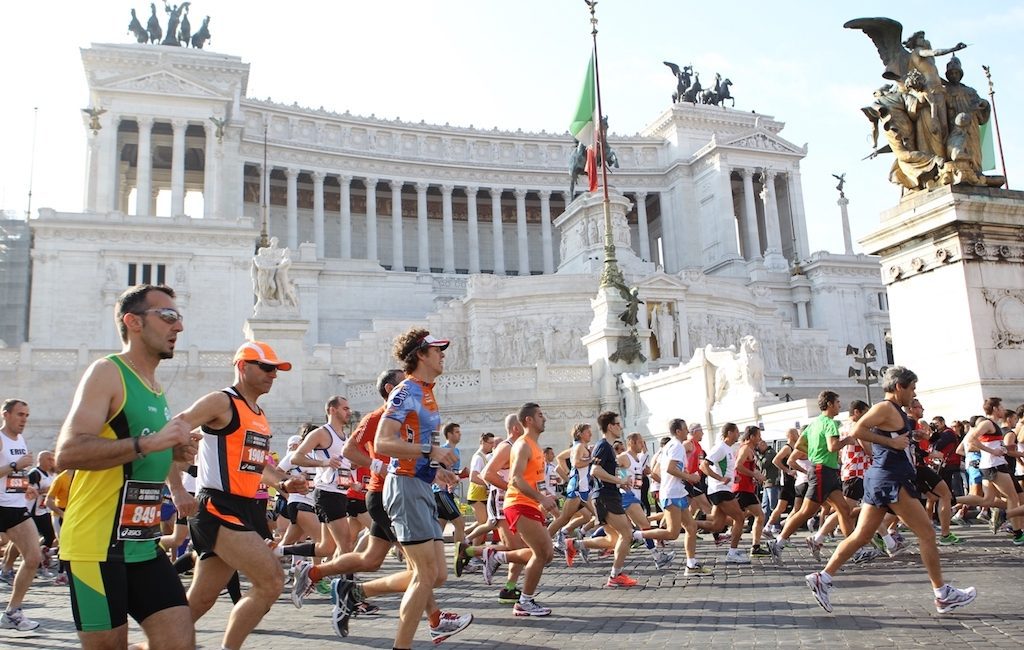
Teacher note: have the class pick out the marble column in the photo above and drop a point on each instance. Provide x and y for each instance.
(318, 213)
(448, 228)
(843, 202)
(521, 242)
(144, 167)
(727, 226)
(545, 232)
(371, 218)
(668, 235)
(799, 218)
(774, 259)
(178, 167)
(211, 171)
(345, 187)
(422, 236)
(292, 174)
(499, 244)
(751, 235)
(641, 221)
(801, 314)
(473, 236)
(397, 244)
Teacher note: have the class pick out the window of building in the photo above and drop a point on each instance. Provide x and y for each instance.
(146, 274)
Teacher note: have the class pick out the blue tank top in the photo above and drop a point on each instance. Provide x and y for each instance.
(890, 463)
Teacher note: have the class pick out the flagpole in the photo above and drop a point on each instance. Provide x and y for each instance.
(995, 117)
(610, 275)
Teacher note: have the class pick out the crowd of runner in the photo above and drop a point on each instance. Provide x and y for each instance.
(132, 498)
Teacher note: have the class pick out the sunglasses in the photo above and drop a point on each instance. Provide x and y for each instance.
(265, 367)
(168, 315)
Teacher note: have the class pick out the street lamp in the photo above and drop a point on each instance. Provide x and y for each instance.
(787, 381)
(867, 376)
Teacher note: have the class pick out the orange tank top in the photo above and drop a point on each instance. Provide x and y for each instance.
(231, 459)
(533, 474)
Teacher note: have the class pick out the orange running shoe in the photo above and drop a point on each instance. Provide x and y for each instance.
(621, 581)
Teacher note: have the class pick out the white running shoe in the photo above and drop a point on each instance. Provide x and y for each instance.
(16, 620)
(954, 598)
(736, 556)
(303, 585)
(451, 623)
(530, 609)
(490, 563)
(821, 590)
(698, 570)
(662, 560)
(814, 548)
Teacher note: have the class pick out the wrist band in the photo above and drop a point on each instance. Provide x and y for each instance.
(138, 448)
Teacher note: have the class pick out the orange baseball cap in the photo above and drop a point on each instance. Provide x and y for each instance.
(261, 352)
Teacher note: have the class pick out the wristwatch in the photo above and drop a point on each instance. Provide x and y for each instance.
(13, 466)
(425, 449)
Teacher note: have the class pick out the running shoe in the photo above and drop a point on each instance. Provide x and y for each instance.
(16, 620)
(878, 542)
(815, 548)
(365, 608)
(898, 548)
(821, 590)
(302, 585)
(7, 576)
(983, 516)
(509, 596)
(759, 551)
(582, 551)
(720, 538)
(621, 581)
(1019, 540)
(768, 533)
(812, 524)
(954, 598)
(949, 540)
(559, 542)
(473, 566)
(450, 624)
(662, 561)
(460, 558)
(61, 580)
(736, 556)
(698, 571)
(530, 608)
(959, 521)
(775, 548)
(343, 595)
(323, 586)
(490, 563)
(570, 552)
(997, 520)
(866, 554)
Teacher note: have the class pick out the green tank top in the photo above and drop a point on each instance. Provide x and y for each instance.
(114, 514)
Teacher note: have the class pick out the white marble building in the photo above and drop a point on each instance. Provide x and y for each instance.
(394, 223)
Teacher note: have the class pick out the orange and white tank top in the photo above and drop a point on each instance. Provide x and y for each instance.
(533, 474)
(231, 459)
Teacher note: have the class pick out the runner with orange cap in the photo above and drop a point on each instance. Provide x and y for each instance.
(232, 463)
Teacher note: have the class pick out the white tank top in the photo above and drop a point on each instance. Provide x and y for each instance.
(292, 469)
(636, 475)
(330, 479)
(12, 494)
(582, 474)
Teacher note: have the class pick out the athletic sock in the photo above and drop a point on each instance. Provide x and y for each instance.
(691, 562)
(315, 574)
(510, 585)
(305, 550)
(819, 538)
(500, 557)
(942, 591)
(890, 542)
(525, 598)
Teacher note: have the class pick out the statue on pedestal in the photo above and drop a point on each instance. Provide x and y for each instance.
(270, 281)
(663, 324)
(920, 114)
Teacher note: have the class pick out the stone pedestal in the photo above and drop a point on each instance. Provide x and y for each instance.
(284, 403)
(582, 229)
(953, 262)
(602, 341)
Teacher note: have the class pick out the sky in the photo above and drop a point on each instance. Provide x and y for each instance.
(519, 64)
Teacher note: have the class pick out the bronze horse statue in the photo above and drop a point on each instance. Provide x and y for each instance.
(185, 28)
(153, 26)
(719, 93)
(135, 27)
(199, 38)
(577, 166)
(692, 94)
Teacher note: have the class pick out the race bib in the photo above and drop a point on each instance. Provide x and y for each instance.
(638, 481)
(139, 515)
(343, 477)
(17, 482)
(254, 452)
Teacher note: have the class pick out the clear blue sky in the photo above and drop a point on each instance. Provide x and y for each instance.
(519, 64)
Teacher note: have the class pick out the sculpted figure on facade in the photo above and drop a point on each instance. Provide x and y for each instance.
(270, 278)
(738, 374)
(919, 114)
(663, 324)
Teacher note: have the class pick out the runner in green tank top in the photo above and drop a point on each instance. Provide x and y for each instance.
(120, 438)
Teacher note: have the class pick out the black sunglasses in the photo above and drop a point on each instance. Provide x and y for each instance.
(168, 315)
(265, 367)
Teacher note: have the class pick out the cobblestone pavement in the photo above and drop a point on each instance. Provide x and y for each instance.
(886, 603)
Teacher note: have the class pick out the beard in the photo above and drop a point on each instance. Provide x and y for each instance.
(167, 354)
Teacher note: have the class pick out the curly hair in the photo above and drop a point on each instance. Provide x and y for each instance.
(406, 346)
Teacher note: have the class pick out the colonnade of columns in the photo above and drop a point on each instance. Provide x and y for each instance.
(757, 239)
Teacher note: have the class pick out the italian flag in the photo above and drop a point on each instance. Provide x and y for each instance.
(988, 150)
(584, 123)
